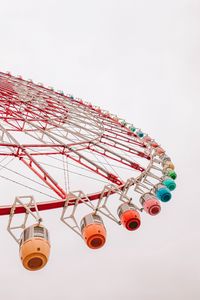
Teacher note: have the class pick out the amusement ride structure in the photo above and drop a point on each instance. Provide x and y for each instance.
(78, 158)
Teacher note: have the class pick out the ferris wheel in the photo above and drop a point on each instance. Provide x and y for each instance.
(60, 152)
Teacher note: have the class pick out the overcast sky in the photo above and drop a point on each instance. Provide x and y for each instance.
(140, 60)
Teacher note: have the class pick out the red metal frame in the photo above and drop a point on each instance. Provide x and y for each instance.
(18, 114)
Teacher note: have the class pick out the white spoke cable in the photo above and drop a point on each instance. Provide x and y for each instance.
(26, 186)
(15, 172)
(74, 172)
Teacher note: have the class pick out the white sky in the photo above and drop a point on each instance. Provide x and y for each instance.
(140, 60)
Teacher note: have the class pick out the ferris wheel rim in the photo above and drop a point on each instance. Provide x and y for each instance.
(123, 130)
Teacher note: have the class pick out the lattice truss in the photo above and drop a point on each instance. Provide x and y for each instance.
(55, 144)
